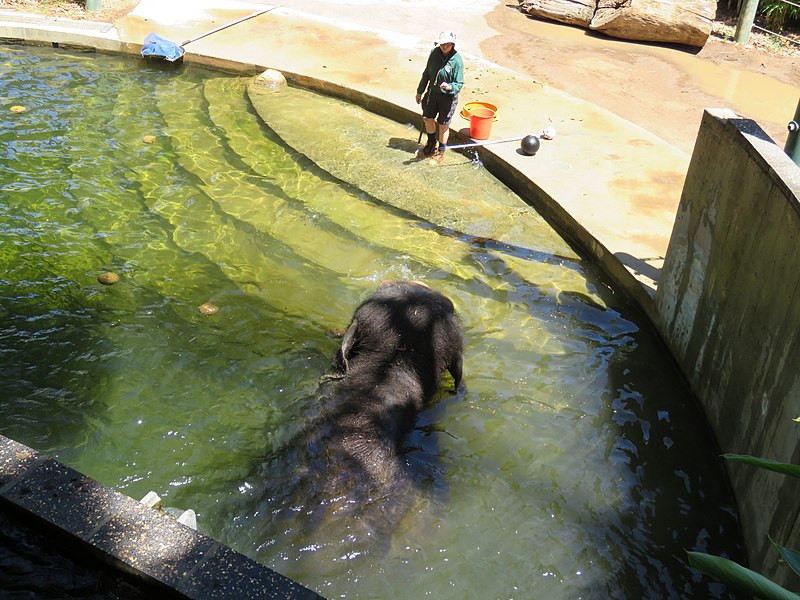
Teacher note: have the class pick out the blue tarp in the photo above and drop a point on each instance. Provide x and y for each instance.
(155, 45)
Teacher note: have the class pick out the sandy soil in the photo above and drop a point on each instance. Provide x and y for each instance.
(663, 89)
(660, 88)
(110, 10)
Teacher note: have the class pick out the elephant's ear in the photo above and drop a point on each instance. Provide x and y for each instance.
(348, 343)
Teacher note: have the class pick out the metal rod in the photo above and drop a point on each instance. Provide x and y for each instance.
(783, 37)
(473, 144)
(231, 24)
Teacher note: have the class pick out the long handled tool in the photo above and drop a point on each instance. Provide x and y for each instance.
(155, 46)
(486, 143)
(529, 143)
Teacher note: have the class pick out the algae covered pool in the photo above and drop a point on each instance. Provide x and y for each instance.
(576, 463)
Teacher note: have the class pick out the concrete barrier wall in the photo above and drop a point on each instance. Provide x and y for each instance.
(165, 558)
(728, 305)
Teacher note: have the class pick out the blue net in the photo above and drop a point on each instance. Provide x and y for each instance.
(155, 45)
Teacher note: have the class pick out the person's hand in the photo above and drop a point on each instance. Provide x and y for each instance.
(419, 98)
(446, 86)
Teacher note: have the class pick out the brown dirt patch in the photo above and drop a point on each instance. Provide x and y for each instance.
(661, 88)
(664, 89)
(110, 10)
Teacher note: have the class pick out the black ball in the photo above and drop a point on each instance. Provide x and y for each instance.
(530, 145)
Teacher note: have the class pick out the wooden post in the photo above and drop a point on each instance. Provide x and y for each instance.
(745, 24)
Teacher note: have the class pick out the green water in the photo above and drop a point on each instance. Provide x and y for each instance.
(575, 465)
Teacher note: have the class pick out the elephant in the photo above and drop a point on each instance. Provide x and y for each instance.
(398, 344)
(349, 459)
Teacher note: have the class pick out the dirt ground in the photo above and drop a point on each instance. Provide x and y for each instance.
(663, 89)
(660, 88)
(110, 10)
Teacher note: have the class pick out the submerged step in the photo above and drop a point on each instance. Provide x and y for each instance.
(374, 154)
(258, 201)
(377, 156)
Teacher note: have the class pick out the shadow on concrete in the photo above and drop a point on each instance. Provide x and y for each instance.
(642, 268)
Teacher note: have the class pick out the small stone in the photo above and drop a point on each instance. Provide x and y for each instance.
(208, 309)
(149, 139)
(188, 518)
(151, 500)
(271, 78)
(108, 278)
(18, 109)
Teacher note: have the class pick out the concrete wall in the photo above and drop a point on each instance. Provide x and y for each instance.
(164, 558)
(728, 305)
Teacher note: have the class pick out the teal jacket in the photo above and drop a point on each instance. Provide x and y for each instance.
(441, 68)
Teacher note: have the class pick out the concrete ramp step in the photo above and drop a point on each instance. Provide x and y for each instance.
(254, 199)
(376, 155)
(138, 240)
(368, 222)
(256, 262)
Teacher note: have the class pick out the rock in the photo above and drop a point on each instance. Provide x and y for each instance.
(671, 21)
(108, 278)
(208, 309)
(151, 500)
(577, 12)
(271, 79)
(188, 518)
(686, 22)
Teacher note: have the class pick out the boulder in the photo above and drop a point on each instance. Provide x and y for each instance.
(675, 21)
(572, 12)
(684, 22)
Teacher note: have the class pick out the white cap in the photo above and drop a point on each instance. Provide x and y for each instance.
(446, 37)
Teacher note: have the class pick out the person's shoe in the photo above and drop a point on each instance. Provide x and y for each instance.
(437, 158)
(429, 148)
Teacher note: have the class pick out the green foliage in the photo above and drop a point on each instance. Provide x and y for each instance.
(771, 465)
(738, 576)
(741, 577)
(792, 557)
(778, 14)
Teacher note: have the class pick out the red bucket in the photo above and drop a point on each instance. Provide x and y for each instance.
(480, 123)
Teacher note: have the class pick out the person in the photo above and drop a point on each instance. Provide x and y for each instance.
(438, 90)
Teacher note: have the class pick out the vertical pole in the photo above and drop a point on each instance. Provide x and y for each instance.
(745, 24)
(93, 5)
(792, 147)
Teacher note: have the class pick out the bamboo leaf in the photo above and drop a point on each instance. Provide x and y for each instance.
(765, 463)
(738, 576)
(792, 557)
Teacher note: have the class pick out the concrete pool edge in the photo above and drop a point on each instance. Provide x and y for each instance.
(501, 163)
(627, 243)
(127, 535)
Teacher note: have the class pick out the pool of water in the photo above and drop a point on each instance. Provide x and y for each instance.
(575, 465)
